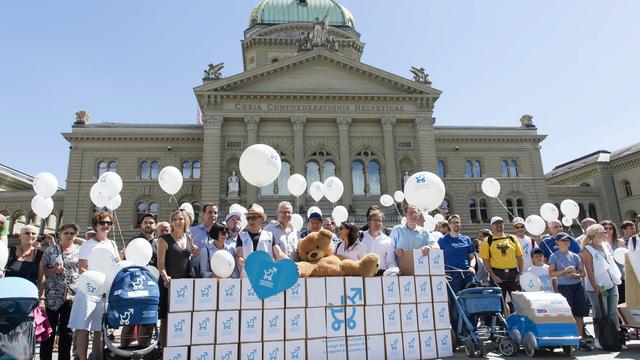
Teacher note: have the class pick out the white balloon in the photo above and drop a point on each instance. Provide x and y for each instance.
(243, 221)
(316, 190)
(549, 212)
(340, 214)
(403, 221)
(438, 217)
(333, 189)
(115, 269)
(170, 180)
(222, 263)
(619, 254)
(42, 206)
(386, 200)
(4, 255)
(297, 184)
(491, 187)
(567, 221)
(570, 208)
(101, 259)
(535, 225)
(436, 235)
(530, 282)
(398, 196)
(297, 222)
(139, 251)
(429, 222)
(98, 197)
(110, 183)
(260, 164)
(114, 202)
(425, 190)
(154, 271)
(92, 282)
(314, 209)
(45, 184)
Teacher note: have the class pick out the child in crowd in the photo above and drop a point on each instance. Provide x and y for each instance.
(541, 270)
(567, 267)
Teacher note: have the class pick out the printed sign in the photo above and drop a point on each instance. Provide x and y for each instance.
(267, 277)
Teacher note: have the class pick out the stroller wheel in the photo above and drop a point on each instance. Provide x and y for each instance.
(567, 349)
(507, 347)
(529, 343)
(470, 348)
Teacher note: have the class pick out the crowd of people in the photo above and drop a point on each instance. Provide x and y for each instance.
(576, 268)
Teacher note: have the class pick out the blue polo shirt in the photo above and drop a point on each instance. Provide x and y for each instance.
(563, 260)
(456, 251)
(404, 238)
(548, 246)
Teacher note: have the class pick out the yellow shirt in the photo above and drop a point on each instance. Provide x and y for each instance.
(503, 252)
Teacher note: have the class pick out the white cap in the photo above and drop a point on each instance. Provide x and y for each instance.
(234, 213)
(496, 219)
(518, 220)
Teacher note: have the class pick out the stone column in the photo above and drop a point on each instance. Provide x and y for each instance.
(212, 158)
(427, 160)
(391, 175)
(252, 138)
(345, 159)
(298, 144)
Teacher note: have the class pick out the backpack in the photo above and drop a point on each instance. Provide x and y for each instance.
(510, 237)
(134, 298)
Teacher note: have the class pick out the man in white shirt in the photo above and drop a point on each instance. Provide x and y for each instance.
(526, 242)
(285, 236)
(378, 243)
(634, 241)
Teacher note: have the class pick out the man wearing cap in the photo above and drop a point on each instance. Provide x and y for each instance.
(254, 238)
(526, 242)
(200, 232)
(314, 224)
(502, 255)
(285, 236)
(232, 221)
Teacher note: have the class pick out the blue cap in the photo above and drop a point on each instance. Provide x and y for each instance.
(561, 235)
(314, 216)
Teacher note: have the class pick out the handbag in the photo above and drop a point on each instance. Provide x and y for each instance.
(69, 291)
(608, 334)
(43, 328)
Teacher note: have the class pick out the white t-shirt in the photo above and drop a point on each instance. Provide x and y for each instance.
(87, 248)
(525, 244)
(356, 252)
(542, 272)
(382, 246)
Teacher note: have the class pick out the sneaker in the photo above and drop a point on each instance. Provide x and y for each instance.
(584, 346)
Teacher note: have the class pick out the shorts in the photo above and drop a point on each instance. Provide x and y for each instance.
(86, 312)
(576, 297)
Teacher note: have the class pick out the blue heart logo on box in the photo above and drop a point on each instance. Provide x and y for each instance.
(270, 278)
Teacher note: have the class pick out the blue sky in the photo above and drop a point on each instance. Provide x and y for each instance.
(573, 65)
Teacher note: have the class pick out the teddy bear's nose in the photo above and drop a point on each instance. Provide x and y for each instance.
(313, 255)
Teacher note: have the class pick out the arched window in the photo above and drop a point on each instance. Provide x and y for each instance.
(627, 188)
(313, 172)
(468, 169)
(442, 170)
(285, 173)
(477, 171)
(505, 168)
(583, 213)
(153, 209)
(473, 211)
(197, 208)
(519, 208)
(155, 170)
(186, 169)
(472, 168)
(514, 168)
(357, 177)
(145, 170)
(484, 213)
(328, 170)
(592, 211)
(113, 166)
(141, 209)
(196, 169)
(373, 177)
(509, 203)
(446, 209)
(102, 168)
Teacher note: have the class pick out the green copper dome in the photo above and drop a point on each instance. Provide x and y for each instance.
(300, 11)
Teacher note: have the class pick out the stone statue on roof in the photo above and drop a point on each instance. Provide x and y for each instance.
(213, 72)
(82, 118)
(527, 121)
(420, 75)
(318, 34)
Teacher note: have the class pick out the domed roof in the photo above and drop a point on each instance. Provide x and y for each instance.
(300, 11)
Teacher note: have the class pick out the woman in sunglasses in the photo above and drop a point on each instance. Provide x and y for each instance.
(350, 247)
(87, 310)
(60, 268)
(217, 237)
(611, 230)
(24, 259)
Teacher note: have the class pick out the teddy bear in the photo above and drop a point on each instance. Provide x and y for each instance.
(316, 259)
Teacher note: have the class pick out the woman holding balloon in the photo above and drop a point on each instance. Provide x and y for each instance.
(217, 237)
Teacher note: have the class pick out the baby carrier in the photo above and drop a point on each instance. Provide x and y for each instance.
(18, 299)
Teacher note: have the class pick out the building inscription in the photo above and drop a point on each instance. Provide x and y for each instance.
(318, 108)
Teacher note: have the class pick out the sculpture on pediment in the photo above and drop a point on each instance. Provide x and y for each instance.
(234, 185)
(527, 121)
(318, 36)
(420, 75)
(82, 118)
(213, 72)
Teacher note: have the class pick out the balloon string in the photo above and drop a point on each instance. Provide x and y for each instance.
(397, 209)
(119, 230)
(512, 216)
(173, 197)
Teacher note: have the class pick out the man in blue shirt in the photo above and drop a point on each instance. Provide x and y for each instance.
(200, 232)
(411, 235)
(549, 244)
(459, 259)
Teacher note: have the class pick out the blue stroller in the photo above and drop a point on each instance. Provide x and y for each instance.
(18, 299)
(133, 300)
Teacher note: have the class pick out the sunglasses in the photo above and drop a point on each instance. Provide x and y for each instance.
(249, 218)
(30, 233)
(68, 233)
(108, 223)
(518, 227)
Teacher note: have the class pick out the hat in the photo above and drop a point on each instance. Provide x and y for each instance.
(89, 230)
(536, 250)
(495, 219)
(563, 235)
(314, 216)
(232, 214)
(518, 220)
(256, 209)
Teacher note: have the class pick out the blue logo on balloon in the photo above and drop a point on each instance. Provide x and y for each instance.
(269, 278)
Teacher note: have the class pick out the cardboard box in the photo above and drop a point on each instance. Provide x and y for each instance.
(316, 322)
(411, 345)
(425, 316)
(373, 290)
(392, 318)
(249, 300)
(202, 352)
(227, 352)
(632, 279)
(295, 296)
(229, 294)
(413, 263)
(390, 289)
(354, 290)
(227, 327)
(274, 302)
(295, 324)
(203, 328)
(181, 295)
(175, 353)
(337, 348)
(393, 345)
(179, 329)
(409, 317)
(335, 290)
(439, 288)
(423, 289)
(317, 349)
(373, 320)
(205, 295)
(444, 343)
(407, 290)
(250, 326)
(629, 316)
(273, 325)
(295, 350)
(335, 321)
(441, 315)
(428, 347)
(356, 347)
(316, 292)
(375, 347)
(354, 319)
(542, 307)
(436, 262)
(273, 350)
(251, 351)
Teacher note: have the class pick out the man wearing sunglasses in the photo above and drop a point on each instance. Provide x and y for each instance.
(526, 242)
(254, 238)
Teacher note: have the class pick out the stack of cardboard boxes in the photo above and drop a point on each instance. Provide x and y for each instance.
(405, 317)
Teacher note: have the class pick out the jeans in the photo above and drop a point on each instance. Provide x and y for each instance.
(610, 304)
(58, 319)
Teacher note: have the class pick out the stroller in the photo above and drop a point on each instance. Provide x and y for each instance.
(18, 299)
(133, 300)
